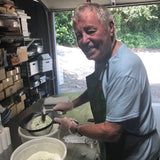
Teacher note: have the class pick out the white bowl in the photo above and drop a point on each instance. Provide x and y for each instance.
(25, 135)
(51, 145)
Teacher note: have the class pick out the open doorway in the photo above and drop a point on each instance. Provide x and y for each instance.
(140, 32)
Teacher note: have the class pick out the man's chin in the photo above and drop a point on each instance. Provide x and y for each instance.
(91, 57)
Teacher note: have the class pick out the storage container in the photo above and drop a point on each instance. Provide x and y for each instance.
(45, 62)
(34, 69)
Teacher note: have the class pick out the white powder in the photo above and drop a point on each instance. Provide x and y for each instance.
(37, 122)
(44, 155)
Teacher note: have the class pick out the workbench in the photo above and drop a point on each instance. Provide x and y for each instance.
(75, 151)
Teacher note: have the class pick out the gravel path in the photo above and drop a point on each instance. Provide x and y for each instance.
(74, 67)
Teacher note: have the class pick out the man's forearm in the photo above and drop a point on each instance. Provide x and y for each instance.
(107, 131)
(83, 98)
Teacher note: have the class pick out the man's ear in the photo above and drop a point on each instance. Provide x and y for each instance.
(111, 25)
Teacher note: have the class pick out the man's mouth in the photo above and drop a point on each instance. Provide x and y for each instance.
(89, 52)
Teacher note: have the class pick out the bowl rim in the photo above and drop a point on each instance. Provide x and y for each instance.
(29, 117)
(34, 137)
(25, 144)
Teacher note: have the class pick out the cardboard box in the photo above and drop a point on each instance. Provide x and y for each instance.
(18, 70)
(10, 90)
(7, 82)
(19, 84)
(8, 102)
(2, 73)
(11, 73)
(22, 54)
(2, 96)
(20, 106)
(1, 86)
(23, 97)
(13, 108)
(16, 77)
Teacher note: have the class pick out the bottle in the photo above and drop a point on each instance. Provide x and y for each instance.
(1, 126)
(6, 131)
(1, 148)
(3, 138)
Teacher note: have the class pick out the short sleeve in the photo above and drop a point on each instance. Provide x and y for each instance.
(123, 99)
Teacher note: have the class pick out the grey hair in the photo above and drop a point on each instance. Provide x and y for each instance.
(103, 14)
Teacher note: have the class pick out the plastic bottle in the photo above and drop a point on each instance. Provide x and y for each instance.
(8, 136)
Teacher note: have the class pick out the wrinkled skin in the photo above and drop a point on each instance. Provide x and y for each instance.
(92, 36)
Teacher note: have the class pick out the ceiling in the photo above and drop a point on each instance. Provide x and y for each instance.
(55, 5)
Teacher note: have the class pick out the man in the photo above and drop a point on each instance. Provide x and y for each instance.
(118, 91)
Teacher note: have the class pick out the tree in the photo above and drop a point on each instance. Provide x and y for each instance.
(64, 31)
(136, 26)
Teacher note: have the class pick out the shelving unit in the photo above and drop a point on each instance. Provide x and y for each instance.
(33, 85)
(28, 73)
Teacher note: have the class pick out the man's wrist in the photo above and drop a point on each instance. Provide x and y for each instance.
(72, 128)
(76, 130)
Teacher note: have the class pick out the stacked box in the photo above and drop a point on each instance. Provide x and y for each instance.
(2, 96)
(20, 106)
(16, 77)
(1, 86)
(7, 82)
(14, 110)
(22, 54)
(10, 90)
(17, 70)
(19, 84)
(23, 97)
(2, 73)
(7, 103)
(10, 83)
(10, 73)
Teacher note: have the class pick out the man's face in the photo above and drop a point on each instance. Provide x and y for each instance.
(93, 39)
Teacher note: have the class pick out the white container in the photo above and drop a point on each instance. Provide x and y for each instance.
(51, 145)
(45, 63)
(25, 135)
(34, 69)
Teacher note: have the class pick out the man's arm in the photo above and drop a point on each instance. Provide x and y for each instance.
(66, 106)
(107, 131)
(83, 98)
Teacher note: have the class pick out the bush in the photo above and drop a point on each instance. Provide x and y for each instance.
(64, 32)
(136, 26)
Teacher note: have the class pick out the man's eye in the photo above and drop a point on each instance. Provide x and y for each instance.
(78, 36)
(91, 31)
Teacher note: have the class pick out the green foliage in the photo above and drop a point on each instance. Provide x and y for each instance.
(136, 26)
(64, 31)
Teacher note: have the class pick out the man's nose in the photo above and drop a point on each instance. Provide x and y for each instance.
(85, 38)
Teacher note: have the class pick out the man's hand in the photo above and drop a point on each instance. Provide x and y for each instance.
(63, 106)
(66, 123)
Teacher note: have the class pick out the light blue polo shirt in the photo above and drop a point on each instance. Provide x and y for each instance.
(128, 99)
